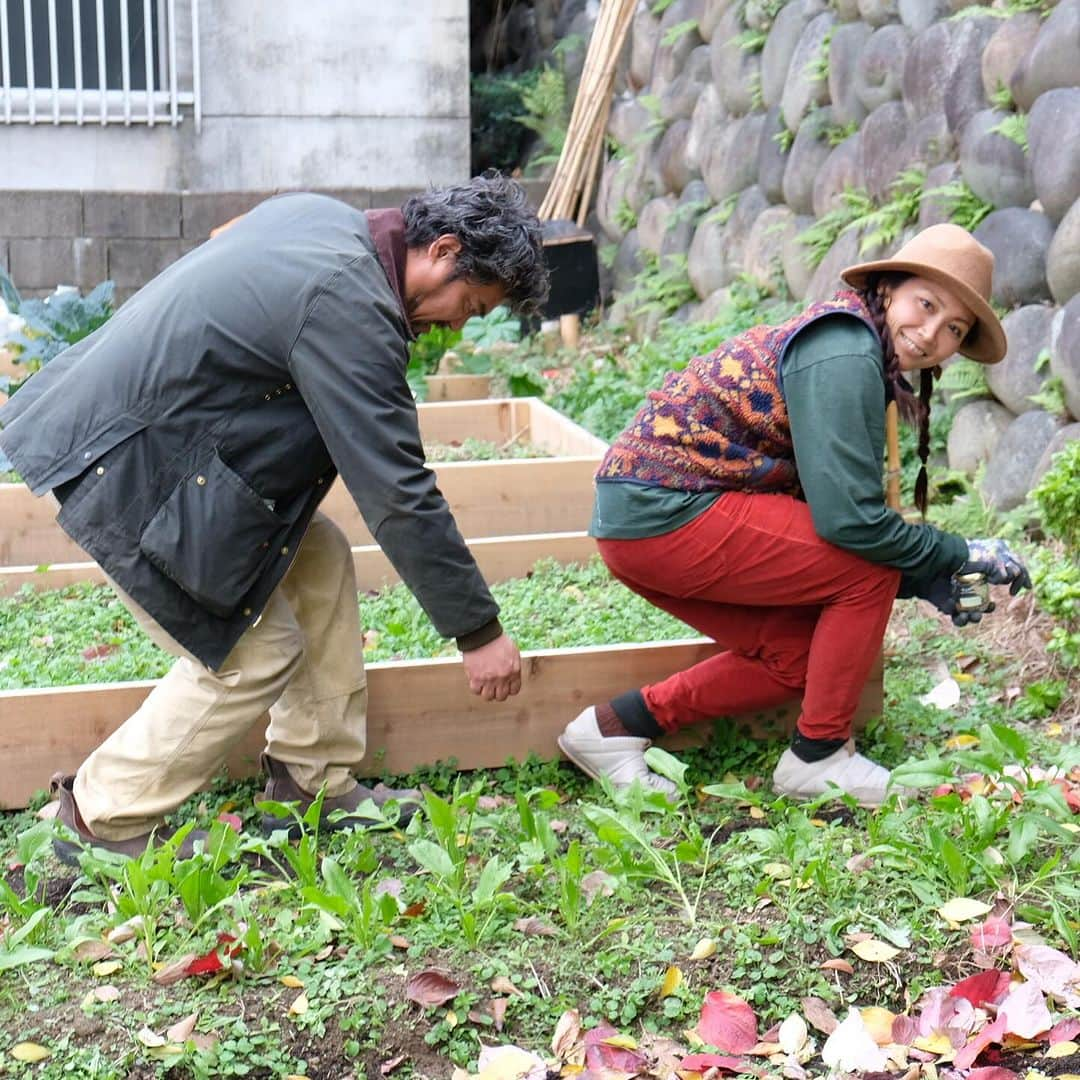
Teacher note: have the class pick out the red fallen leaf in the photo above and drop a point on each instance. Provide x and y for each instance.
(701, 1062)
(992, 1033)
(98, 652)
(820, 1015)
(941, 790)
(414, 910)
(1064, 1030)
(727, 1022)
(233, 821)
(431, 987)
(995, 933)
(992, 1072)
(205, 965)
(986, 986)
(601, 1055)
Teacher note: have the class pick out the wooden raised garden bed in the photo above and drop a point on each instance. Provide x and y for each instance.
(513, 512)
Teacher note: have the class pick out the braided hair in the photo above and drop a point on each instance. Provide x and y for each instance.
(914, 410)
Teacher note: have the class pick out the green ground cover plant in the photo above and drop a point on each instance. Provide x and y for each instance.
(83, 633)
(525, 901)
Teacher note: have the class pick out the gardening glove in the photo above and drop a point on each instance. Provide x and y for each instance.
(945, 594)
(997, 561)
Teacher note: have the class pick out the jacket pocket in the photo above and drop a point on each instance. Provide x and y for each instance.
(213, 537)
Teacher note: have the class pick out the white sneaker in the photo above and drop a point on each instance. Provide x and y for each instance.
(846, 769)
(621, 758)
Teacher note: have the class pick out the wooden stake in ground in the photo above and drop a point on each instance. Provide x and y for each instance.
(892, 445)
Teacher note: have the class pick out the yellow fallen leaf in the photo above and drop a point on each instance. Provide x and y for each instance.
(934, 1044)
(299, 1005)
(963, 676)
(151, 1038)
(878, 1023)
(780, 871)
(29, 1051)
(1054, 729)
(961, 742)
(106, 967)
(963, 909)
(623, 1042)
(672, 981)
(1062, 1049)
(876, 952)
(703, 949)
(757, 813)
(292, 982)
(818, 823)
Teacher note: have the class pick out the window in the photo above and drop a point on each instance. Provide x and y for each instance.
(98, 61)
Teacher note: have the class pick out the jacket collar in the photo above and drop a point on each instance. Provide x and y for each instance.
(388, 234)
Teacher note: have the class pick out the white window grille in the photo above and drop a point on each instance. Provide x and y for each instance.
(99, 61)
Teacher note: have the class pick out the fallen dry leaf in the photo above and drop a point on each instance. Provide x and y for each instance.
(673, 978)
(502, 985)
(705, 948)
(182, 1030)
(388, 1066)
(93, 951)
(837, 964)
(727, 1022)
(292, 982)
(874, 951)
(29, 1052)
(300, 1005)
(149, 1037)
(793, 1034)
(106, 967)
(963, 909)
(431, 987)
(819, 1015)
(534, 927)
(567, 1034)
(851, 1048)
(175, 971)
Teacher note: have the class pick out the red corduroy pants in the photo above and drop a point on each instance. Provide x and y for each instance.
(793, 613)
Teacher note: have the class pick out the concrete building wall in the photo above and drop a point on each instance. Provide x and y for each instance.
(356, 94)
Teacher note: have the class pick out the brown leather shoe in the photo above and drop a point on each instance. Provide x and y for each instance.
(68, 851)
(281, 787)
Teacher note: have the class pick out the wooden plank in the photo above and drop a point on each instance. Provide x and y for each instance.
(421, 712)
(499, 558)
(488, 498)
(458, 387)
(552, 431)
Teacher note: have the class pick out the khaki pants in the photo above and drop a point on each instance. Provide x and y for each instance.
(302, 661)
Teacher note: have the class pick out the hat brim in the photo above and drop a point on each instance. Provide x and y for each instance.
(985, 341)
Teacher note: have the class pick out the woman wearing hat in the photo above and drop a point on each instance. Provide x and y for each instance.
(745, 498)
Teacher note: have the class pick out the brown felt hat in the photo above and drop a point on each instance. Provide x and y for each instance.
(952, 257)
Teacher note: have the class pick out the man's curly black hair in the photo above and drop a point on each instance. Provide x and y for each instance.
(499, 233)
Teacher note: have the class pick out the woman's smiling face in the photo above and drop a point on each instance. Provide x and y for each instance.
(926, 321)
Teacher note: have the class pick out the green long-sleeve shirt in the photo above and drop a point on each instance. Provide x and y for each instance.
(832, 384)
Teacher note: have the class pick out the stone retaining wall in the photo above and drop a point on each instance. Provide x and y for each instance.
(741, 122)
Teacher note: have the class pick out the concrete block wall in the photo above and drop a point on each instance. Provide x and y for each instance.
(50, 238)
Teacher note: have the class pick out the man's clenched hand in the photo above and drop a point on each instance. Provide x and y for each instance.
(494, 670)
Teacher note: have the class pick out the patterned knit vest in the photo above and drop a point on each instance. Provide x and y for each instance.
(721, 424)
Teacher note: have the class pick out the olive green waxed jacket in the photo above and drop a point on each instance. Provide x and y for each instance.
(191, 438)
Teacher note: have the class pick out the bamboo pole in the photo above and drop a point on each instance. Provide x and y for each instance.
(571, 187)
(892, 444)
